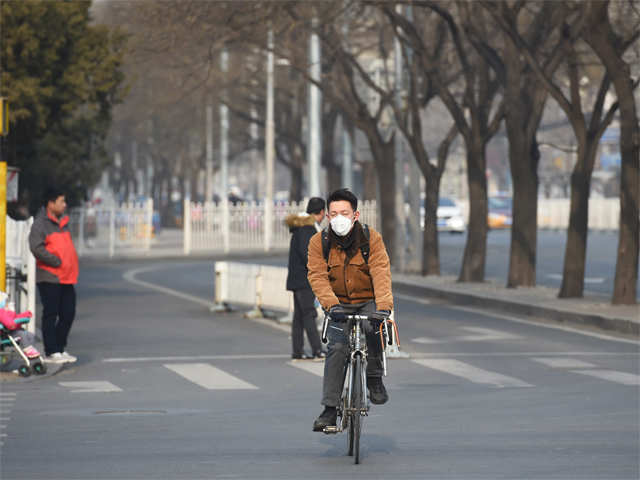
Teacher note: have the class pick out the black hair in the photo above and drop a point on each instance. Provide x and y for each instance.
(343, 194)
(315, 205)
(51, 194)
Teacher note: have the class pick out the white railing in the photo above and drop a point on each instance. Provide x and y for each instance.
(206, 229)
(553, 213)
(604, 213)
(112, 228)
(20, 262)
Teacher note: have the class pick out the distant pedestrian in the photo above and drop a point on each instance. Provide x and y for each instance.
(303, 226)
(56, 274)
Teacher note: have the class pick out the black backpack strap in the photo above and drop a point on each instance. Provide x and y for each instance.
(325, 245)
(364, 248)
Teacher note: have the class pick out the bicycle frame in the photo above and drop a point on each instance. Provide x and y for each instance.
(357, 348)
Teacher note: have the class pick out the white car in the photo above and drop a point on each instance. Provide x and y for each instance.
(450, 218)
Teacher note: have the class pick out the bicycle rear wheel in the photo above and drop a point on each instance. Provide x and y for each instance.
(356, 405)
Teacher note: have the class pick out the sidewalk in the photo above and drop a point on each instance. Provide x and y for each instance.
(538, 302)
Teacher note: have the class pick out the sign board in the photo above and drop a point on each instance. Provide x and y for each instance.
(12, 184)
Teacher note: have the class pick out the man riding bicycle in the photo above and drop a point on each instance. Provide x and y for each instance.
(349, 272)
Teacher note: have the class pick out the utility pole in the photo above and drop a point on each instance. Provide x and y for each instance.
(269, 148)
(314, 150)
(401, 232)
(209, 165)
(224, 158)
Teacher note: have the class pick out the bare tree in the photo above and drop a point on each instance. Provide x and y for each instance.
(610, 46)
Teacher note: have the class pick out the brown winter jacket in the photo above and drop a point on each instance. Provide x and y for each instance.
(334, 282)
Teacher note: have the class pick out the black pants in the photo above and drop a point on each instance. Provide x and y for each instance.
(58, 312)
(304, 317)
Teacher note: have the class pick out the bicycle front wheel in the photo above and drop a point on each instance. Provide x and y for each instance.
(357, 401)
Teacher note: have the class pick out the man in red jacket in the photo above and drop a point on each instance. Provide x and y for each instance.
(56, 274)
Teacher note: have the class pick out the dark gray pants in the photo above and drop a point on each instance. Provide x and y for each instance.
(338, 349)
(304, 319)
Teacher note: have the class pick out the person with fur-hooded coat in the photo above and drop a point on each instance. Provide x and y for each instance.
(302, 227)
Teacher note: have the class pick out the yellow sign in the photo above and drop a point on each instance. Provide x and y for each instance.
(4, 116)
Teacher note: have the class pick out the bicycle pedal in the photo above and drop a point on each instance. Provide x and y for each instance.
(330, 430)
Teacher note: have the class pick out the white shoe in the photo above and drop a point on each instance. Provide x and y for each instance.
(55, 358)
(69, 358)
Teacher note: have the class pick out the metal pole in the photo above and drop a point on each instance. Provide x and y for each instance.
(224, 159)
(269, 149)
(347, 157)
(209, 165)
(314, 151)
(401, 232)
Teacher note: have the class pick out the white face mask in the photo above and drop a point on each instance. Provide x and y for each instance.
(341, 225)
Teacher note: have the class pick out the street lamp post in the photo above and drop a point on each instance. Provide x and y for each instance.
(314, 151)
(269, 149)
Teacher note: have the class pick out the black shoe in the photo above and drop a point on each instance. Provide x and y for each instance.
(377, 393)
(326, 419)
(303, 356)
(320, 355)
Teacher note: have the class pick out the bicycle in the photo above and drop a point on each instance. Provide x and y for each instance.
(354, 405)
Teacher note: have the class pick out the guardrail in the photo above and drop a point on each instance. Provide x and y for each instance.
(553, 213)
(111, 228)
(226, 227)
(259, 286)
(21, 263)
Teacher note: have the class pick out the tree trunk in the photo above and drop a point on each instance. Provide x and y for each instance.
(295, 190)
(603, 41)
(576, 248)
(523, 157)
(430, 247)
(369, 181)
(473, 261)
(328, 151)
(384, 159)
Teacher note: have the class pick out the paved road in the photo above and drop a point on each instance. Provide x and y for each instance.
(164, 389)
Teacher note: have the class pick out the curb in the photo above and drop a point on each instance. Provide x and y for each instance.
(569, 317)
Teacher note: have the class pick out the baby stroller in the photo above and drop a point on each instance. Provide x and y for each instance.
(11, 335)
(29, 355)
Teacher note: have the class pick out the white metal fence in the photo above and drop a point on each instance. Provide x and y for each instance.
(553, 213)
(110, 229)
(227, 227)
(21, 267)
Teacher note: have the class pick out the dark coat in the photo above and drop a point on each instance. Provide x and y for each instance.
(302, 229)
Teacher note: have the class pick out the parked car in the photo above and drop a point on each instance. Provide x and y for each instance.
(450, 217)
(500, 212)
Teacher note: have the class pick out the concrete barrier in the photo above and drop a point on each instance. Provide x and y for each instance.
(260, 286)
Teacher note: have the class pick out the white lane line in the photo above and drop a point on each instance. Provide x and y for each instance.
(612, 376)
(194, 358)
(402, 296)
(564, 328)
(315, 368)
(563, 362)
(209, 377)
(5, 419)
(7, 394)
(91, 387)
(558, 276)
(130, 276)
(526, 354)
(480, 334)
(471, 373)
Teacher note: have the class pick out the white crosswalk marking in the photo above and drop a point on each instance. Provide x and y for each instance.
(91, 387)
(612, 376)
(315, 368)
(209, 377)
(7, 394)
(558, 362)
(471, 373)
